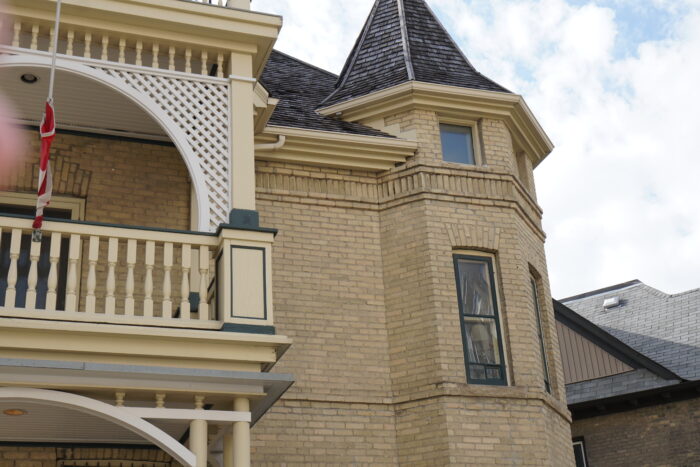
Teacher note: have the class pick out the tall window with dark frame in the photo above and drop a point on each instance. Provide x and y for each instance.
(478, 309)
(540, 334)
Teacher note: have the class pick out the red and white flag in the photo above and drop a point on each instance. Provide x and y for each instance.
(48, 131)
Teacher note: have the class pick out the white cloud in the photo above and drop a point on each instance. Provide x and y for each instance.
(621, 190)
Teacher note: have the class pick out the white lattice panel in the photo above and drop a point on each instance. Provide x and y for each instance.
(200, 109)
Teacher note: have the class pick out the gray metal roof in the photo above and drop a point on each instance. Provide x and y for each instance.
(401, 41)
(663, 327)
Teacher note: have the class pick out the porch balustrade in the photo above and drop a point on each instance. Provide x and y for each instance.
(95, 44)
(120, 275)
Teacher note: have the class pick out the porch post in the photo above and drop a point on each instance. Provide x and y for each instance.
(228, 449)
(198, 435)
(241, 435)
(242, 141)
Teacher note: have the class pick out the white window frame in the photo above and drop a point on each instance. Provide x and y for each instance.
(76, 206)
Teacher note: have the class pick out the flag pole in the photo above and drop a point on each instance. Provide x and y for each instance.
(56, 27)
(47, 131)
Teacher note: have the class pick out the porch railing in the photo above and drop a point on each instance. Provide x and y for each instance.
(97, 273)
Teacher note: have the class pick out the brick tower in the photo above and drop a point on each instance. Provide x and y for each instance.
(417, 296)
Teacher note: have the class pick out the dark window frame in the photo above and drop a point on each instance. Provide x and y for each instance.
(540, 334)
(488, 260)
(582, 443)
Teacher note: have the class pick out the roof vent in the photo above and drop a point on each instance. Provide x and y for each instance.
(611, 302)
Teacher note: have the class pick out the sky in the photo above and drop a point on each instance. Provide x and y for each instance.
(614, 83)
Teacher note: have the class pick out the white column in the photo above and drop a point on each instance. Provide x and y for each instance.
(241, 435)
(242, 132)
(228, 449)
(198, 435)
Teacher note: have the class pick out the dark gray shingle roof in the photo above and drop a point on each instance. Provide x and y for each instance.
(300, 88)
(663, 327)
(401, 41)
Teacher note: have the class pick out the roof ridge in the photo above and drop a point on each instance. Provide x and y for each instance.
(600, 291)
(405, 40)
(303, 62)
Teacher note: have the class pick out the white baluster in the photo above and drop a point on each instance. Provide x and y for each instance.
(130, 263)
(35, 37)
(69, 42)
(220, 65)
(188, 60)
(167, 287)
(105, 47)
(51, 41)
(15, 245)
(93, 256)
(156, 51)
(33, 278)
(52, 282)
(15, 34)
(185, 286)
(72, 280)
(139, 50)
(112, 251)
(171, 58)
(203, 282)
(87, 53)
(148, 282)
(122, 50)
(205, 56)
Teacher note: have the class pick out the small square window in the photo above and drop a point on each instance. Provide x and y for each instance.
(457, 144)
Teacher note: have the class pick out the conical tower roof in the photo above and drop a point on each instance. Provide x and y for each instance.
(401, 41)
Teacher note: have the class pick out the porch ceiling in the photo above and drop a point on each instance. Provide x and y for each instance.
(47, 424)
(81, 104)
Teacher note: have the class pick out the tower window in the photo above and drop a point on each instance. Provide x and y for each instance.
(457, 144)
(540, 335)
(481, 333)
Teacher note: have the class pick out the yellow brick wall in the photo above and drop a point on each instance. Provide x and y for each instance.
(130, 182)
(666, 435)
(363, 281)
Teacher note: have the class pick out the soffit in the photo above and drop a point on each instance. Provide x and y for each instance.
(80, 103)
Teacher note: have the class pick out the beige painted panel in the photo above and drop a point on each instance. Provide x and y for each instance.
(582, 360)
(248, 283)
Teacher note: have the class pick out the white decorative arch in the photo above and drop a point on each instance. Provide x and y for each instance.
(205, 221)
(104, 411)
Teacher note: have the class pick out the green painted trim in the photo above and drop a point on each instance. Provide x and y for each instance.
(503, 381)
(119, 226)
(248, 328)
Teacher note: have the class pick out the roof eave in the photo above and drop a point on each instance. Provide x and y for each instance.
(451, 101)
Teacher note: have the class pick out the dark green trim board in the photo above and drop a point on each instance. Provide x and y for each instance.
(264, 279)
(245, 218)
(503, 380)
(249, 328)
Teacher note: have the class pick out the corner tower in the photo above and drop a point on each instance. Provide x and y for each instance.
(475, 371)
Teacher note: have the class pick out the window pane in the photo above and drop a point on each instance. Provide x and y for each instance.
(475, 287)
(482, 341)
(540, 335)
(580, 454)
(457, 145)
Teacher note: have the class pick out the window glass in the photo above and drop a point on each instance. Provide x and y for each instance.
(483, 350)
(580, 454)
(457, 144)
(540, 335)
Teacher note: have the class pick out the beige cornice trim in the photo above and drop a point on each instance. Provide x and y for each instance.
(331, 149)
(451, 102)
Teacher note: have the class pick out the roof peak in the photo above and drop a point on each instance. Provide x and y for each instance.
(403, 40)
